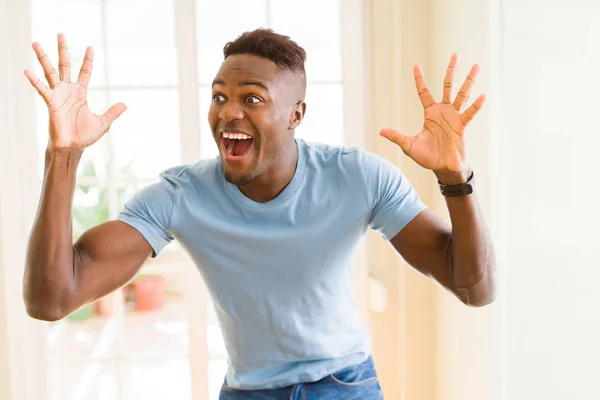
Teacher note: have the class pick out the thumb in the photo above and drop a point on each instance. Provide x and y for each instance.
(113, 113)
(399, 138)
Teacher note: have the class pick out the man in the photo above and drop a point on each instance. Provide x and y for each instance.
(273, 223)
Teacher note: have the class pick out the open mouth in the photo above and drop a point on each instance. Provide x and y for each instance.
(236, 145)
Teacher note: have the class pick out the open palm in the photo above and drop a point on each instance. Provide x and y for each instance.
(440, 145)
(72, 124)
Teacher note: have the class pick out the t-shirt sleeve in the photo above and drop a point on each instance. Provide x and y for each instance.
(394, 202)
(150, 211)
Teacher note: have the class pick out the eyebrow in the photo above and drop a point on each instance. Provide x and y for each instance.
(219, 81)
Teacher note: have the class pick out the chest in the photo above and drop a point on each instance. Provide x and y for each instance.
(308, 238)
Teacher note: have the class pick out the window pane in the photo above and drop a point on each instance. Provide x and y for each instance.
(90, 380)
(216, 376)
(321, 38)
(146, 137)
(81, 22)
(324, 115)
(126, 191)
(90, 207)
(157, 379)
(214, 31)
(156, 320)
(141, 42)
(208, 147)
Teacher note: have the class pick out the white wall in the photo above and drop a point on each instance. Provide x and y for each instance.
(546, 193)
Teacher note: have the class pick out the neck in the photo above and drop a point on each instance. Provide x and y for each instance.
(275, 179)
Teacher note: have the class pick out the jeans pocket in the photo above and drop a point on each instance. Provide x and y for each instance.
(355, 376)
(359, 383)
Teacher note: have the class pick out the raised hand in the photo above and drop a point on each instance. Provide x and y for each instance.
(440, 146)
(72, 124)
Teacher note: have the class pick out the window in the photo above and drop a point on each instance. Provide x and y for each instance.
(133, 343)
(141, 341)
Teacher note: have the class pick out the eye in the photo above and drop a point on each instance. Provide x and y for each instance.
(253, 99)
(218, 98)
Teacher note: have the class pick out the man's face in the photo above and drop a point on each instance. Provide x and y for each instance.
(255, 108)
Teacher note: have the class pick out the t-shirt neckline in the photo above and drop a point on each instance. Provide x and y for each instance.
(285, 194)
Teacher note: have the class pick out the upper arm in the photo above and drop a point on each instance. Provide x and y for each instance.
(105, 258)
(424, 243)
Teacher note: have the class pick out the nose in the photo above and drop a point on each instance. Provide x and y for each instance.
(231, 111)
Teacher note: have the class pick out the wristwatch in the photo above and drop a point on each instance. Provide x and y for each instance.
(462, 189)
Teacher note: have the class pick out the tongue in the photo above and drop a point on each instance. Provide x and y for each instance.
(241, 147)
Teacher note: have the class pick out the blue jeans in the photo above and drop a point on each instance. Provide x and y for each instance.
(358, 382)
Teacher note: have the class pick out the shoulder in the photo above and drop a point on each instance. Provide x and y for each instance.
(354, 160)
(325, 151)
(331, 156)
(183, 176)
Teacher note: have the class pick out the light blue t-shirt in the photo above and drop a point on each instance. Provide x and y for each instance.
(279, 273)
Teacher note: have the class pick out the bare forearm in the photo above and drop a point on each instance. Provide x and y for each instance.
(470, 251)
(48, 278)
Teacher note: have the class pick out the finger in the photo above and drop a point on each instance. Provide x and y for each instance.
(422, 89)
(112, 113)
(41, 88)
(449, 79)
(86, 68)
(49, 70)
(405, 142)
(465, 90)
(64, 60)
(470, 112)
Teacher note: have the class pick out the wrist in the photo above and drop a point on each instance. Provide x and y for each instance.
(52, 149)
(58, 154)
(453, 178)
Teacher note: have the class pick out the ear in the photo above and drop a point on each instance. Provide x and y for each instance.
(297, 115)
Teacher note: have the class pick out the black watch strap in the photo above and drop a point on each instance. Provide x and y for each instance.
(462, 189)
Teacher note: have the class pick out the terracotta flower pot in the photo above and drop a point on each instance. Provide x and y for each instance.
(149, 293)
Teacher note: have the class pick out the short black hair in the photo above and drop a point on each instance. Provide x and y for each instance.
(265, 43)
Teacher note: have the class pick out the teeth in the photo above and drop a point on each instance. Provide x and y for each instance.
(230, 148)
(237, 136)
